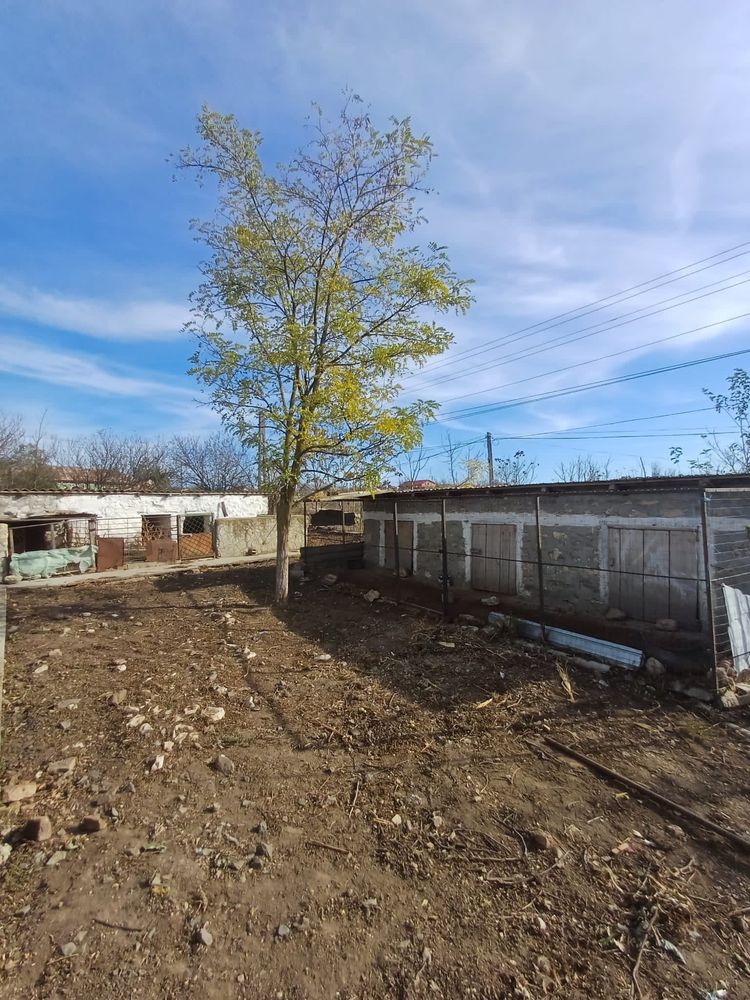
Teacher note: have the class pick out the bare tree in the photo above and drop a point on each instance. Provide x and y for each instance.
(515, 469)
(583, 469)
(106, 460)
(217, 462)
(24, 460)
(411, 464)
(11, 435)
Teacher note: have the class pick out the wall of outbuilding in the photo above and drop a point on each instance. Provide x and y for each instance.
(132, 505)
(575, 531)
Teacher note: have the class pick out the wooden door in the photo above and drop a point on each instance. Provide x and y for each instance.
(653, 573)
(493, 558)
(405, 546)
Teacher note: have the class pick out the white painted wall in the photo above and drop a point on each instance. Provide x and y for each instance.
(132, 505)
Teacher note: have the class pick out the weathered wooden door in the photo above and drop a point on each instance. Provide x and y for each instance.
(493, 558)
(653, 573)
(405, 546)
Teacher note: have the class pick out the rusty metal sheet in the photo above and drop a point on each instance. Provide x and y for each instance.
(110, 553)
(161, 550)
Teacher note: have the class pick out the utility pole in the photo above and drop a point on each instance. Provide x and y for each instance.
(490, 463)
(261, 450)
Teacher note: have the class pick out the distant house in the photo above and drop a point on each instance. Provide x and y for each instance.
(417, 484)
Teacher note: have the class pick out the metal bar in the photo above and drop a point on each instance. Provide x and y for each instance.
(444, 549)
(304, 519)
(396, 555)
(540, 567)
(179, 537)
(709, 586)
(343, 524)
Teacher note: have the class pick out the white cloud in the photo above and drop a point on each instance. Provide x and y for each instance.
(110, 320)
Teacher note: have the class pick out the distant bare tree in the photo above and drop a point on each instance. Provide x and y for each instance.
(217, 462)
(583, 469)
(11, 435)
(515, 469)
(106, 460)
(411, 464)
(24, 459)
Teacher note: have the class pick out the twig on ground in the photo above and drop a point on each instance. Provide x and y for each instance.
(636, 987)
(327, 847)
(118, 927)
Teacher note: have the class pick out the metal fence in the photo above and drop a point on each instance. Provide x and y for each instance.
(160, 537)
(332, 522)
(726, 519)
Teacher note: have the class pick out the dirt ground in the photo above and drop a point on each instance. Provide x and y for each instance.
(374, 813)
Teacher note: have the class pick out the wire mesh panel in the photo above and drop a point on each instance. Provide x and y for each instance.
(727, 520)
(146, 538)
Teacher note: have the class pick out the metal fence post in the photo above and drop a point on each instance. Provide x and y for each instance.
(396, 554)
(709, 586)
(343, 524)
(304, 523)
(444, 544)
(540, 566)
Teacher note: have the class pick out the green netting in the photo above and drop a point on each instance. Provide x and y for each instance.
(50, 561)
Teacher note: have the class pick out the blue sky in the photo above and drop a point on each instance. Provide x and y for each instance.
(583, 148)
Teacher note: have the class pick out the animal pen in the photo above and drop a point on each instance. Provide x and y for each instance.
(662, 565)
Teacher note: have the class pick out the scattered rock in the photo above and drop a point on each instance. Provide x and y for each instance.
(699, 694)
(544, 965)
(136, 720)
(539, 840)
(119, 663)
(323, 657)
(55, 653)
(56, 858)
(69, 949)
(654, 667)
(667, 625)
(61, 767)
(396, 820)
(437, 820)
(69, 705)
(615, 615)
(329, 579)
(41, 669)
(117, 697)
(283, 931)
(468, 620)
(262, 828)
(128, 788)
(249, 654)
(5, 852)
(676, 831)
(213, 713)
(371, 595)
(264, 850)
(65, 725)
(223, 764)
(490, 601)
(11, 578)
(37, 828)
(91, 824)
(203, 936)
(17, 792)
(256, 862)
(446, 645)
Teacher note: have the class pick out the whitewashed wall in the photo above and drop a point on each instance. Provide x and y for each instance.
(120, 505)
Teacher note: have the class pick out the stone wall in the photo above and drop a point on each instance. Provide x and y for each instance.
(242, 536)
(574, 536)
(119, 506)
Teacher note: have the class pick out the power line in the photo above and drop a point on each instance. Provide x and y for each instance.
(592, 361)
(596, 328)
(556, 393)
(588, 308)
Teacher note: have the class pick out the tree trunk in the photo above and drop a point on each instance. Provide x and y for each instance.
(283, 523)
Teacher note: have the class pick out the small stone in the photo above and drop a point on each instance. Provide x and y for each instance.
(667, 625)
(283, 931)
(55, 858)
(204, 937)
(128, 788)
(699, 694)
(369, 905)
(329, 579)
(249, 654)
(55, 653)
(62, 767)
(68, 949)
(539, 840)
(446, 645)
(371, 595)
(264, 849)
(223, 764)
(468, 620)
(70, 704)
(323, 657)
(490, 601)
(37, 828)
(119, 662)
(262, 828)
(654, 667)
(11, 578)
(145, 729)
(22, 790)
(256, 863)
(396, 819)
(544, 965)
(118, 697)
(214, 713)
(91, 824)
(41, 669)
(615, 615)
(437, 821)
(676, 831)
(135, 721)
(5, 852)
(65, 725)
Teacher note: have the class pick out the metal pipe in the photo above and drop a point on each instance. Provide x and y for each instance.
(396, 554)
(343, 524)
(540, 567)
(444, 542)
(709, 586)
